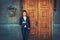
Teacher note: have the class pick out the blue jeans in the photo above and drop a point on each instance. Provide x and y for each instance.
(25, 33)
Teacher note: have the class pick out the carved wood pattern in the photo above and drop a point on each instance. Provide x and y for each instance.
(41, 11)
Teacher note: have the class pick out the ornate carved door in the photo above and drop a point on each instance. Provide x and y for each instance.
(40, 13)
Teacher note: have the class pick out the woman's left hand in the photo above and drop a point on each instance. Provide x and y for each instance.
(28, 28)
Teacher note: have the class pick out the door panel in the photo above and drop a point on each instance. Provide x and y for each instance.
(40, 13)
(45, 19)
(31, 6)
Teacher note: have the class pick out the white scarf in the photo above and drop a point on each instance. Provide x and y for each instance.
(25, 20)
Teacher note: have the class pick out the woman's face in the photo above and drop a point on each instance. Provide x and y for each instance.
(24, 13)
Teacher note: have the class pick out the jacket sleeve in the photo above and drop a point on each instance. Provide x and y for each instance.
(29, 21)
(20, 21)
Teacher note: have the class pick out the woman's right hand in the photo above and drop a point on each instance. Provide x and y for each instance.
(23, 22)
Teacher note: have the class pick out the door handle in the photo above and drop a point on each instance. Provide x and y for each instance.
(36, 23)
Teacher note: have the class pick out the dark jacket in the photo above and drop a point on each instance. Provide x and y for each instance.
(27, 22)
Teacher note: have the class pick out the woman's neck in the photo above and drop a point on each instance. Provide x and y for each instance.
(24, 16)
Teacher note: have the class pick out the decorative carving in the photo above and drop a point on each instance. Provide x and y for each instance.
(44, 20)
(44, 12)
(44, 26)
(12, 11)
(44, 3)
(44, 36)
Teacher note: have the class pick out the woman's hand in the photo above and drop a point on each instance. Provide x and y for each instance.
(28, 28)
(23, 22)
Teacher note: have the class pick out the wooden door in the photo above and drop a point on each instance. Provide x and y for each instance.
(40, 13)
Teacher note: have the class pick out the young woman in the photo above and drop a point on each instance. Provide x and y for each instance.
(25, 24)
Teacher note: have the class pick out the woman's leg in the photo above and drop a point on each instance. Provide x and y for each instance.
(25, 34)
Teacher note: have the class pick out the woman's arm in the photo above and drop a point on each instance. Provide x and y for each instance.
(20, 21)
(28, 23)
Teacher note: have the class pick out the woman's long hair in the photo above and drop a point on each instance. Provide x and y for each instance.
(22, 13)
